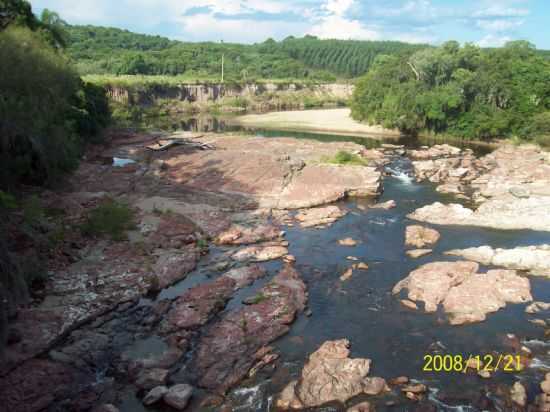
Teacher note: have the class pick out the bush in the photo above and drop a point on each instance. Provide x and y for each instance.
(110, 218)
(346, 158)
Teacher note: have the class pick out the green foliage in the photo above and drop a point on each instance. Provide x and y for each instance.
(110, 218)
(99, 50)
(345, 158)
(46, 112)
(460, 91)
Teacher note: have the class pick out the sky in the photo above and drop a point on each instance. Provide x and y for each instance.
(484, 22)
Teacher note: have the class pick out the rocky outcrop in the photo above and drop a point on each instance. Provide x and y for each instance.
(319, 216)
(420, 236)
(330, 375)
(197, 305)
(508, 214)
(239, 235)
(466, 296)
(535, 259)
(232, 345)
(260, 253)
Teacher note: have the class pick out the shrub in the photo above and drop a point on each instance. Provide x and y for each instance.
(110, 218)
(346, 158)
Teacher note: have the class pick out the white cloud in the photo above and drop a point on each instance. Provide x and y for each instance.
(499, 25)
(501, 11)
(337, 27)
(492, 40)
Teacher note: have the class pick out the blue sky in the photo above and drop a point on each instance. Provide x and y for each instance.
(484, 22)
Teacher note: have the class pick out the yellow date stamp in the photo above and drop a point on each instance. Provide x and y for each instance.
(478, 363)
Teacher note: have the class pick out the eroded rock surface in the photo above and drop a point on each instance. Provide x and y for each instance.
(228, 348)
(319, 216)
(330, 375)
(535, 259)
(467, 296)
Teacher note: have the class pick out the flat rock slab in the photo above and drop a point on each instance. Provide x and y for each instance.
(467, 296)
(240, 235)
(319, 216)
(330, 375)
(418, 253)
(229, 347)
(260, 253)
(531, 213)
(535, 259)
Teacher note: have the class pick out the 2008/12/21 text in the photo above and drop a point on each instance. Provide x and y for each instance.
(460, 363)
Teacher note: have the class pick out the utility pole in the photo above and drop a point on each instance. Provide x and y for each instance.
(222, 66)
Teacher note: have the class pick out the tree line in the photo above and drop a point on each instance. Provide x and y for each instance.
(101, 50)
(461, 91)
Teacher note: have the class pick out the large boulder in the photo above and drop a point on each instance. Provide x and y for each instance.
(330, 375)
(420, 236)
(535, 259)
(319, 216)
(500, 213)
(467, 296)
(178, 396)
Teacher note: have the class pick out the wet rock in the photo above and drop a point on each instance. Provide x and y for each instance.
(319, 184)
(155, 395)
(360, 407)
(360, 266)
(347, 275)
(151, 378)
(415, 388)
(497, 213)
(431, 282)
(418, 253)
(390, 204)
(352, 258)
(537, 307)
(434, 152)
(466, 296)
(545, 384)
(173, 266)
(319, 216)
(400, 380)
(330, 375)
(239, 235)
(420, 236)
(228, 347)
(409, 304)
(198, 304)
(518, 394)
(108, 407)
(535, 259)
(374, 386)
(483, 373)
(480, 294)
(260, 253)
(289, 259)
(347, 242)
(178, 396)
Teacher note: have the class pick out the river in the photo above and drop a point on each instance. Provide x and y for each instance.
(363, 309)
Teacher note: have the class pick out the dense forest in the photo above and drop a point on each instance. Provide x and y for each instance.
(99, 50)
(461, 91)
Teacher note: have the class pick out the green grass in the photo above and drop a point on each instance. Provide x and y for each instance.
(111, 219)
(345, 158)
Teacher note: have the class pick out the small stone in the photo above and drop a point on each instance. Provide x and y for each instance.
(374, 386)
(178, 396)
(308, 313)
(151, 378)
(538, 322)
(352, 258)
(415, 388)
(412, 396)
(418, 253)
(154, 395)
(409, 304)
(108, 407)
(347, 242)
(400, 380)
(545, 385)
(361, 407)
(485, 374)
(519, 394)
(361, 266)
(289, 259)
(347, 275)
(390, 204)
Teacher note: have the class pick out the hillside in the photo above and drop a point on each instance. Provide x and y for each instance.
(100, 50)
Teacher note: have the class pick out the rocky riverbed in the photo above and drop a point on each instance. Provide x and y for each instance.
(255, 265)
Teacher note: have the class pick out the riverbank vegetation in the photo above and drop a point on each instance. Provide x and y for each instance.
(459, 91)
